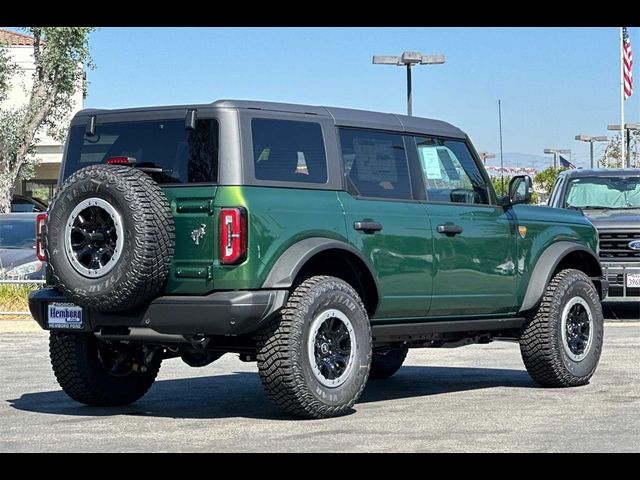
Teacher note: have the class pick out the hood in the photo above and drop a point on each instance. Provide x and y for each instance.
(14, 257)
(614, 219)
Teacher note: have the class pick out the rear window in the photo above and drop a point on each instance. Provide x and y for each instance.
(183, 154)
(288, 151)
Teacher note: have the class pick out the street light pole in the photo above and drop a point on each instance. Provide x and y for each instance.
(591, 140)
(625, 138)
(484, 156)
(555, 153)
(408, 59)
(409, 100)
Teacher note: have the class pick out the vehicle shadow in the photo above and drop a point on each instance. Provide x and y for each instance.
(621, 310)
(240, 394)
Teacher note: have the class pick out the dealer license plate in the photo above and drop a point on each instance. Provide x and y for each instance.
(633, 280)
(64, 315)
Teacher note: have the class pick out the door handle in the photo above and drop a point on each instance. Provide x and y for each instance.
(449, 229)
(367, 227)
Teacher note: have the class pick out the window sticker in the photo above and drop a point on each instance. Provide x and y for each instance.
(430, 162)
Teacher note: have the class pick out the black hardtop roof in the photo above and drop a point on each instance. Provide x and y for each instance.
(601, 172)
(341, 116)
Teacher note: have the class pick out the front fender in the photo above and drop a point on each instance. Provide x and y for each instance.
(545, 266)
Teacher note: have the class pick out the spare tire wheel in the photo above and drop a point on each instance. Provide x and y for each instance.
(110, 238)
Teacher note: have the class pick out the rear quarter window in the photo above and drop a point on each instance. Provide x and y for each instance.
(288, 151)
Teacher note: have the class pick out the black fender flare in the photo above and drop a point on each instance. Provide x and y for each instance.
(287, 267)
(545, 266)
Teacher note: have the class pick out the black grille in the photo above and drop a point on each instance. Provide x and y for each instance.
(616, 245)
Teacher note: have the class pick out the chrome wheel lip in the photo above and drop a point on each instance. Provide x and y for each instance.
(316, 323)
(563, 328)
(117, 221)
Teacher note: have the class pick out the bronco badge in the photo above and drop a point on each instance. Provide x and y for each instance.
(198, 234)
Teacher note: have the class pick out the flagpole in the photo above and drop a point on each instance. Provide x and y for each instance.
(623, 131)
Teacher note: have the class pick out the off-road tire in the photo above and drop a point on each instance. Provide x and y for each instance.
(541, 343)
(385, 363)
(76, 365)
(143, 267)
(283, 359)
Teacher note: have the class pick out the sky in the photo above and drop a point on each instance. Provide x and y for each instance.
(553, 83)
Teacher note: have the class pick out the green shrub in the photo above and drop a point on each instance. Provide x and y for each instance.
(13, 298)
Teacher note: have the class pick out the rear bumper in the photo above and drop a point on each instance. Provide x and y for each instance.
(220, 313)
(616, 274)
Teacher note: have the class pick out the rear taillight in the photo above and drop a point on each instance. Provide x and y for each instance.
(233, 235)
(41, 225)
(121, 161)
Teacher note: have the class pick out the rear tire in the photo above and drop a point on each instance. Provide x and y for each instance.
(562, 342)
(314, 357)
(385, 363)
(95, 373)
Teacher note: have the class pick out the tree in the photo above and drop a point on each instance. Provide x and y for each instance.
(547, 178)
(611, 155)
(497, 185)
(59, 54)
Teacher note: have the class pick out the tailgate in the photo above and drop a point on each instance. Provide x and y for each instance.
(196, 234)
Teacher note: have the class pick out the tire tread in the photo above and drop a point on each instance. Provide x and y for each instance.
(278, 345)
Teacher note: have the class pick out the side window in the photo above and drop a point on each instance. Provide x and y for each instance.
(450, 172)
(375, 163)
(288, 151)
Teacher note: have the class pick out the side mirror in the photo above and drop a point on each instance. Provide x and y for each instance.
(520, 189)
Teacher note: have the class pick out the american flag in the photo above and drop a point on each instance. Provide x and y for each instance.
(627, 61)
(566, 163)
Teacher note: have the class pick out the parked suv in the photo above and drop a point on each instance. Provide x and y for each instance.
(322, 243)
(610, 198)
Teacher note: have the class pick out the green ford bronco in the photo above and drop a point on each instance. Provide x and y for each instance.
(321, 242)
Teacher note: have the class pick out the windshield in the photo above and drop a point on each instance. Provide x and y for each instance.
(604, 192)
(17, 233)
(181, 155)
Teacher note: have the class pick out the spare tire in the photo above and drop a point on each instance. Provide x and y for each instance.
(110, 238)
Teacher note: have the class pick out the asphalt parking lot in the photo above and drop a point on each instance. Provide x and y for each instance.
(475, 398)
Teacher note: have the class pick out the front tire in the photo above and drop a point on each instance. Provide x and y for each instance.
(562, 342)
(99, 374)
(314, 358)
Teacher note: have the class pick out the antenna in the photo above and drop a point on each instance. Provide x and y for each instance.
(501, 157)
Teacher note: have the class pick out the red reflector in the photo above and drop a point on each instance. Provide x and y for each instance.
(233, 235)
(41, 225)
(121, 161)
